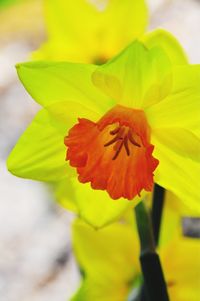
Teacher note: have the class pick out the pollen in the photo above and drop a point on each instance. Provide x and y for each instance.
(113, 154)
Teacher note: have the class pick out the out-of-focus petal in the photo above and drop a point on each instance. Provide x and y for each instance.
(108, 258)
(101, 28)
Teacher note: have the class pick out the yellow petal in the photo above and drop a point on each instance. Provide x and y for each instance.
(177, 174)
(67, 114)
(109, 84)
(165, 40)
(137, 77)
(52, 83)
(94, 206)
(109, 263)
(182, 106)
(40, 152)
(171, 218)
(181, 141)
(181, 263)
(62, 191)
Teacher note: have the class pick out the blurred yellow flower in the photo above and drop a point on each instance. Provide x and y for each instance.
(109, 259)
(181, 264)
(90, 31)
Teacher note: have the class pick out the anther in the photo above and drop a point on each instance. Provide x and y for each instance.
(171, 283)
(115, 131)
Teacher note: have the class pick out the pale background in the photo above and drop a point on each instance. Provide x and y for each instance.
(36, 262)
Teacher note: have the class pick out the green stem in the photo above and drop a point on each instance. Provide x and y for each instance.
(144, 227)
(154, 282)
(157, 210)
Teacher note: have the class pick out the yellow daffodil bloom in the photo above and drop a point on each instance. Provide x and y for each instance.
(138, 117)
(109, 259)
(181, 263)
(90, 31)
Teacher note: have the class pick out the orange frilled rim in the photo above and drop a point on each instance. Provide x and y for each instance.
(113, 154)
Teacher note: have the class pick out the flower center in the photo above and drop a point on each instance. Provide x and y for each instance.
(113, 154)
(123, 135)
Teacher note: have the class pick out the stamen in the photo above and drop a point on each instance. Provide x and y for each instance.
(115, 131)
(118, 150)
(113, 140)
(132, 140)
(126, 146)
(123, 136)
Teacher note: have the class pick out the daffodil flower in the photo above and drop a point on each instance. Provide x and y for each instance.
(138, 120)
(90, 31)
(179, 253)
(114, 271)
(109, 264)
(182, 269)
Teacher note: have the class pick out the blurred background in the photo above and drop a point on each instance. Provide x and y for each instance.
(36, 262)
